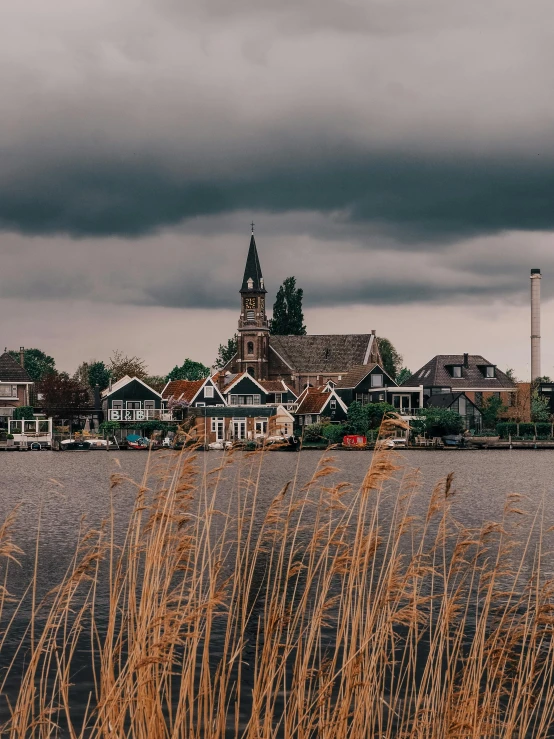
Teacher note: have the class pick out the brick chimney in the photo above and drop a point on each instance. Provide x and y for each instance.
(466, 360)
(22, 356)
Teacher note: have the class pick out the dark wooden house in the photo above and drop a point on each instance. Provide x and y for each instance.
(131, 401)
(366, 384)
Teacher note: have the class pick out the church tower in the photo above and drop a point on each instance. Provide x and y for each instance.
(253, 343)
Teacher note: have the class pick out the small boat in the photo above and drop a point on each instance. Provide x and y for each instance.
(70, 445)
(141, 443)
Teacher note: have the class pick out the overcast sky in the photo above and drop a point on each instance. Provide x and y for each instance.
(396, 156)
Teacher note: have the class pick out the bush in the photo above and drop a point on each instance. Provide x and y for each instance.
(23, 413)
(438, 422)
(334, 433)
(9, 436)
(527, 429)
(312, 432)
(507, 428)
(544, 429)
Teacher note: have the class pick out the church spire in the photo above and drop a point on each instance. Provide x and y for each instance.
(253, 279)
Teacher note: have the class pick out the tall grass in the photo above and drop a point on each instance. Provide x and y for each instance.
(330, 612)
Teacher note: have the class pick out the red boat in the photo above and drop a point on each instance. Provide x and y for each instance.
(141, 444)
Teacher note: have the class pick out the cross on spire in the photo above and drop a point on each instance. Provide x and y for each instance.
(252, 224)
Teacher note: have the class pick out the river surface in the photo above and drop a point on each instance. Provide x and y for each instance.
(65, 490)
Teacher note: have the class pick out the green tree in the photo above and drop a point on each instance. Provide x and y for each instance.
(540, 408)
(37, 363)
(156, 382)
(438, 422)
(491, 409)
(375, 413)
(189, 370)
(23, 412)
(511, 374)
(392, 360)
(288, 317)
(403, 375)
(357, 418)
(226, 352)
(98, 374)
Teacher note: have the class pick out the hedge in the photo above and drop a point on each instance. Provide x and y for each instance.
(506, 428)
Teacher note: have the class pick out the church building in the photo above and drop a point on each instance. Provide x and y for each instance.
(299, 361)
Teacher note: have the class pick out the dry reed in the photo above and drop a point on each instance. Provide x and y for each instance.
(330, 613)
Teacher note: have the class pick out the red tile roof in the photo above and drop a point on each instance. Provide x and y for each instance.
(182, 389)
(313, 401)
(273, 386)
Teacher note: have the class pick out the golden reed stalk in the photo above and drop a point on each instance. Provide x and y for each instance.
(329, 613)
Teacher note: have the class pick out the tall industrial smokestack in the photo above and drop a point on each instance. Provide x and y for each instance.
(535, 324)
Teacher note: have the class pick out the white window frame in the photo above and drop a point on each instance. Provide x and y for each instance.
(256, 400)
(12, 390)
(241, 425)
(377, 380)
(149, 405)
(218, 428)
(279, 398)
(234, 399)
(457, 371)
(209, 391)
(333, 404)
(489, 372)
(200, 405)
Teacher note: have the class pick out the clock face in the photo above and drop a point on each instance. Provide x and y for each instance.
(250, 303)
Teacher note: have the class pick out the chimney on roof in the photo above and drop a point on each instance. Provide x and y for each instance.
(22, 356)
(373, 331)
(466, 360)
(535, 324)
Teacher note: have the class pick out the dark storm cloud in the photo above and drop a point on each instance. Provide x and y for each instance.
(410, 198)
(432, 120)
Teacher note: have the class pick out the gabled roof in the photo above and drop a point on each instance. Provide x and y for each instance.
(185, 390)
(253, 270)
(11, 370)
(125, 381)
(315, 399)
(357, 374)
(333, 353)
(436, 374)
(244, 376)
(445, 400)
(273, 386)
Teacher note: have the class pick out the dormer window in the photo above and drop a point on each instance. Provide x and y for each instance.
(262, 282)
(489, 372)
(250, 283)
(377, 380)
(457, 371)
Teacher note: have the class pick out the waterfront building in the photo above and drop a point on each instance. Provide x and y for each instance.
(316, 404)
(15, 386)
(367, 383)
(300, 361)
(240, 423)
(197, 393)
(130, 401)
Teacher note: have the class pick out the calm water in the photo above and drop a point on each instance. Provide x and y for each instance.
(68, 487)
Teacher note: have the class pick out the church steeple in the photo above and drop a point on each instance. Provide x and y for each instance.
(253, 279)
(253, 345)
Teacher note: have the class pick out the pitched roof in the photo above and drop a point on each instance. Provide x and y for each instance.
(357, 374)
(125, 380)
(445, 400)
(253, 270)
(273, 386)
(11, 370)
(313, 401)
(324, 353)
(436, 374)
(182, 389)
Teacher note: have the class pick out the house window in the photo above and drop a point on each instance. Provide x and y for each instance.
(489, 372)
(278, 397)
(218, 428)
(134, 405)
(239, 428)
(234, 399)
(200, 405)
(257, 399)
(456, 372)
(377, 380)
(149, 405)
(8, 391)
(209, 391)
(261, 426)
(250, 347)
(333, 404)
(117, 405)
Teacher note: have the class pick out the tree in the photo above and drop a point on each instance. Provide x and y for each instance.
(511, 374)
(121, 365)
(490, 409)
(98, 374)
(357, 418)
(60, 391)
(189, 370)
(226, 352)
(438, 422)
(403, 375)
(156, 382)
(392, 360)
(37, 363)
(540, 408)
(93, 373)
(288, 317)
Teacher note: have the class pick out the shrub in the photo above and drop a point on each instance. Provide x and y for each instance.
(23, 413)
(334, 433)
(544, 429)
(506, 428)
(527, 429)
(312, 432)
